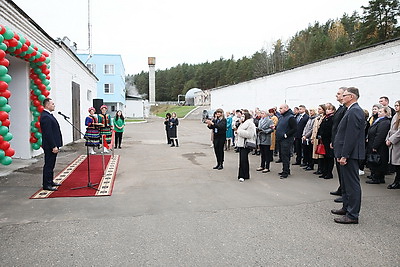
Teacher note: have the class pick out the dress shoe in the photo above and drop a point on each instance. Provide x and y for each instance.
(220, 167)
(335, 193)
(338, 200)
(216, 167)
(297, 163)
(395, 185)
(372, 182)
(283, 176)
(50, 188)
(265, 170)
(278, 161)
(338, 212)
(317, 172)
(260, 169)
(346, 220)
(328, 177)
(281, 173)
(309, 169)
(322, 176)
(303, 165)
(56, 184)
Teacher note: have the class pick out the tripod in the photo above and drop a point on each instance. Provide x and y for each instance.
(89, 183)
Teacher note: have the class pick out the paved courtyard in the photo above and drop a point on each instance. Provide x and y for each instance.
(170, 208)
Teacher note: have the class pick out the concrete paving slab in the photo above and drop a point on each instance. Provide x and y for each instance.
(170, 208)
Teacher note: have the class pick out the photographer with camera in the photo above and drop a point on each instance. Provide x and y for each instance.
(218, 126)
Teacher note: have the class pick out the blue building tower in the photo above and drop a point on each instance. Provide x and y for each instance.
(110, 71)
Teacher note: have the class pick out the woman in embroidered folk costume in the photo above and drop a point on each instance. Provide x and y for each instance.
(106, 128)
(92, 135)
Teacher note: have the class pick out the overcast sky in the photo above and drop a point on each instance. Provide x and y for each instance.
(180, 31)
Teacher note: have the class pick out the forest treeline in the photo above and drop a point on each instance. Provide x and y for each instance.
(318, 41)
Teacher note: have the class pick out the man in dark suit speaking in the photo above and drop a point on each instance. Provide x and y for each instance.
(349, 147)
(51, 143)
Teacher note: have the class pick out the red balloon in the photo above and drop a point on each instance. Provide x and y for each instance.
(2, 29)
(4, 145)
(37, 124)
(42, 58)
(34, 53)
(45, 54)
(34, 97)
(6, 94)
(4, 62)
(45, 93)
(6, 123)
(24, 48)
(33, 139)
(10, 152)
(2, 54)
(48, 77)
(40, 109)
(13, 42)
(46, 71)
(3, 85)
(16, 36)
(36, 103)
(3, 116)
(6, 43)
(42, 87)
(1, 138)
(27, 42)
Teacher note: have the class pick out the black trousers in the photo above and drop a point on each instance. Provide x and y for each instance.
(351, 188)
(219, 142)
(307, 154)
(244, 169)
(48, 168)
(168, 138)
(328, 166)
(298, 149)
(266, 156)
(118, 139)
(285, 145)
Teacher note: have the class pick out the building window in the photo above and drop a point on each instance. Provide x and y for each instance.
(91, 67)
(109, 88)
(108, 69)
(113, 109)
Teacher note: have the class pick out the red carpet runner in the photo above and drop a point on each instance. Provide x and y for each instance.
(76, 175)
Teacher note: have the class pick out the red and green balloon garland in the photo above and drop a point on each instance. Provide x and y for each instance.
(20, 47)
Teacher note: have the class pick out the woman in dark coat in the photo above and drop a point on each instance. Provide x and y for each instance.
(325, 135)
(172, 131)
(377, 144)
(166, 123)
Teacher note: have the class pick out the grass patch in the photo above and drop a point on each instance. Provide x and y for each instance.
(180, 111)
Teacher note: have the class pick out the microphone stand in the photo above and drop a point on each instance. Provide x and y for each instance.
(89, 183)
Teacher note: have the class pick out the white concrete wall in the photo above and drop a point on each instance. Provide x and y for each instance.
(375, 71)
(134, 108)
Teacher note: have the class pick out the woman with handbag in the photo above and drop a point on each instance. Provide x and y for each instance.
(325, 137)
(376, 145)
(264, 130)
(314, 140)
(393, 142)
(246, 137)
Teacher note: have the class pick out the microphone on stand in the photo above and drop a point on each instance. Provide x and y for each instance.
(65, 116)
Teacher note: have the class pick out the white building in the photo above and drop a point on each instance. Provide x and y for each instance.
(375, 71)
(73, 86)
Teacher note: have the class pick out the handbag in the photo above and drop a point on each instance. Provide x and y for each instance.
(320, 150)
(248, 144)
(374, 159)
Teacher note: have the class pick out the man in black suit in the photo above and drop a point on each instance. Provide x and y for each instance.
(336, 120)
(51, 143)
(349, 145)
(301, 119)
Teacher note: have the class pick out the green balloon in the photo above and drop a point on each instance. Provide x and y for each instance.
(41, 98)
(36, 113)
(22, 39)
(42, 76)
(22, 54)
(30, 50)
(3, 46)
(2, 154)
(32, 108)
(3, 101)
(19, 45)
(1, 38)
(34, 129)
(6, 160)
(11, 49)
(39, 141)
(8, 136)
(35, 146)
(5, 78)
(6, 108)
(48, 88)
(3, 70)
(46, 82)
(38, 135)
(9, 34)
(47, 61)
(37, 92)
(3, 130)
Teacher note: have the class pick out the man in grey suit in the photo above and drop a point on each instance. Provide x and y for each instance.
(349, 147)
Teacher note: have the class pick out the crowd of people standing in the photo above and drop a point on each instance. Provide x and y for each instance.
(343, 135)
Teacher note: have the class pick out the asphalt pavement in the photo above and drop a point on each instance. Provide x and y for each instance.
(170, 208)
